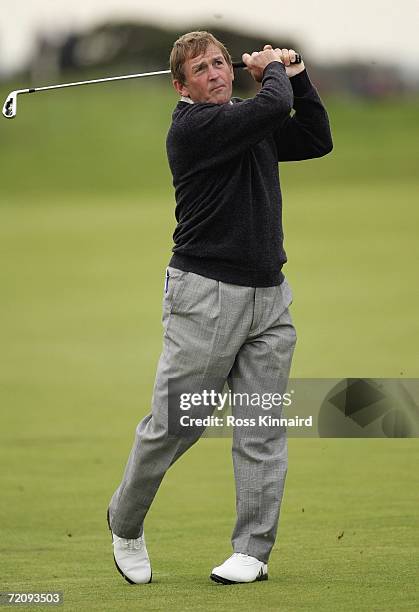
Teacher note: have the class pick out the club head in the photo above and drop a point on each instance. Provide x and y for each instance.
(10, 105)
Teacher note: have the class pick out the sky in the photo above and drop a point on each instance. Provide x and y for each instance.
(332, 30)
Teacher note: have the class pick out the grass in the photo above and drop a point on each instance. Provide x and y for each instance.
(333, 488)
(86, 219)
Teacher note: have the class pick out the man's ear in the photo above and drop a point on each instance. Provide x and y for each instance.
(232, 72)
(181, 88)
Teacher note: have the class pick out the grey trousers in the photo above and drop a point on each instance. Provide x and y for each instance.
(240, 335)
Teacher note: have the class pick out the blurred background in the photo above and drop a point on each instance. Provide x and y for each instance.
(86, 223)
(367, 48)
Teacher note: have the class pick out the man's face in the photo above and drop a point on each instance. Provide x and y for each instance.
(208, 77)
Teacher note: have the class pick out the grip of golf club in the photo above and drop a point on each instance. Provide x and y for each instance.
(298, 60)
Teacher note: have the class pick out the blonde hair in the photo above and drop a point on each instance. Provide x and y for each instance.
(191, 45)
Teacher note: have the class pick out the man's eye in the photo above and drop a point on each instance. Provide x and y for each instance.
(219, 62)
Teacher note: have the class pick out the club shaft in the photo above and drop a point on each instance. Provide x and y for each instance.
(103, 80)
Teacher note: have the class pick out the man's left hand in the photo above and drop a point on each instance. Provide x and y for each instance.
(288, 56)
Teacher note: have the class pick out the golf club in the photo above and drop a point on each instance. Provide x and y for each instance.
(10, 105)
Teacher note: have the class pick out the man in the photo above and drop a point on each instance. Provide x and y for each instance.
(225, 311)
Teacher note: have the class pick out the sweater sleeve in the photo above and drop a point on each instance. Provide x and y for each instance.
(214, 133)
(306, 134)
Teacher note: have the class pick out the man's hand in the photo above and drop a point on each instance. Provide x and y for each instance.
(257, 62)
(288, 57)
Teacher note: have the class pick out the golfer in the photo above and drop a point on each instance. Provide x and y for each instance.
(226, 302)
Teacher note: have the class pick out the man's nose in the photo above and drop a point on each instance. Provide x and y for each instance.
(212, 72)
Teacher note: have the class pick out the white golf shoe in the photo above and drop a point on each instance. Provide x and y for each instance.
(131, 559)
(240, 568)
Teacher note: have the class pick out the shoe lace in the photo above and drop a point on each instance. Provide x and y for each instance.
(133, 545)
(247, 559)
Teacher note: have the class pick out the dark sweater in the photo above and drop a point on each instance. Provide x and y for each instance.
(224, 160)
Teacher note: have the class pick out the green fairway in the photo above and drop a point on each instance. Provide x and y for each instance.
(86, 218)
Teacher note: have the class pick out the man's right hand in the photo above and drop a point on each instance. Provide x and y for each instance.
(257, 62)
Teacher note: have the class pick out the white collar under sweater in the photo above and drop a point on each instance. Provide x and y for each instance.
(189, 101)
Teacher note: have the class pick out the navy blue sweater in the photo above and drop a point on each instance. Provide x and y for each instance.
(224, 160)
